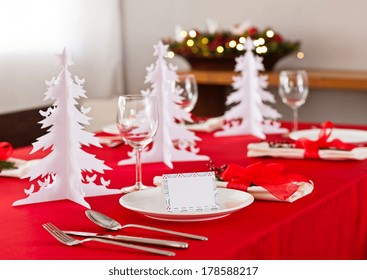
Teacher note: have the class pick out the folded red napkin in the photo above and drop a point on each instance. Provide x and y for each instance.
(6, 150)
(312, 147)
(268, 176)
(320, 148)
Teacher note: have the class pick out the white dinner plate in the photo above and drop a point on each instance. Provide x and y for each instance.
(22, 169)
(111, 129)
(150, 202)
(345, 135)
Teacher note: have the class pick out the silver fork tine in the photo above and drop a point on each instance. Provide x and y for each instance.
(55, 234)
(66, 239)
(47, 227)
(70, 241)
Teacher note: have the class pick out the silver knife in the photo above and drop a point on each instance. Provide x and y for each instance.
(134, 239)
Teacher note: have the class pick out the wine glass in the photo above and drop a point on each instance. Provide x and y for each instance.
(293, 90)
(189, 91)
(137, 122)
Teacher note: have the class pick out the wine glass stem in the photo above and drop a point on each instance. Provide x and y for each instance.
(295, 119)
(138, 167)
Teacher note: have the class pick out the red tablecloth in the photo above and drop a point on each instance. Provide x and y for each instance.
(331, 223)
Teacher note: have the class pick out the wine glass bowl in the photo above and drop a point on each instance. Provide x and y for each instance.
(137, 122)
(293, 90)
(188, 91)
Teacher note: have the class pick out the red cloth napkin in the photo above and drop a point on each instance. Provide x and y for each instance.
(6, 150)
(312, 147)
(267, 176)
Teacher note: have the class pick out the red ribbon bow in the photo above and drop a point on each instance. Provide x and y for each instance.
(6, 149)
(267, 176)
(312, 147)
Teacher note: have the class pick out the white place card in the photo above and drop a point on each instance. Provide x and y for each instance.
(190, 192)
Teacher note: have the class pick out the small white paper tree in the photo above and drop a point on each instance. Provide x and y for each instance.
(162, 78)
(249, 115)
(61, 171)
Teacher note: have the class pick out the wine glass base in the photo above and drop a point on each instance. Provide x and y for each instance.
(134, 188)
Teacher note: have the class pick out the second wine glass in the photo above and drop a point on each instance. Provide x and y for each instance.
(189, 91)
(137, 122)
(293, 90)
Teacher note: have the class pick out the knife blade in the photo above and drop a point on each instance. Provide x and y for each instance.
(133, 239)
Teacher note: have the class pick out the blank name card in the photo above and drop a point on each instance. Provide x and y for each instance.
(190, 192)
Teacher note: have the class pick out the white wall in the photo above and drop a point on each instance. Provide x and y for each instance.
(33, 31)
(333, 34)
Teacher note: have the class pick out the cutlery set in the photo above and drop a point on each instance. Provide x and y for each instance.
(70, 241)
(131, 242)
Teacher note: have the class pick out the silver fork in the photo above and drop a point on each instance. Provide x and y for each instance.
(70, 241)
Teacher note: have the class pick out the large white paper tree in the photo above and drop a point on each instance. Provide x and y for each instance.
(61, 172)
(173, 141)
(249, 115)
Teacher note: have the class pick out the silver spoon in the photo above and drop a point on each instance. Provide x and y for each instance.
(111, 224)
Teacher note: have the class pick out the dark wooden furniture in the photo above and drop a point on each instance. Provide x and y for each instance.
(214, 85)
(21, 128)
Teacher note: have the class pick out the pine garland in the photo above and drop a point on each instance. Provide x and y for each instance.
(7, 165)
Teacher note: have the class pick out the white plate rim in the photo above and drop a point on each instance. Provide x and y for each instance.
(22, 168)
(336, 133)
(188, 216)
(111, 129)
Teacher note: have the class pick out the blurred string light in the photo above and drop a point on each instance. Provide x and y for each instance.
(220, 49)
(183, 34)
(259, 42)
(170, 54)
(190, 42)
(262, 49)
(240, 47)
(232, 44)
(242, 40)
(192, 33)
(205, 41)
(270, 33)
(300, 55)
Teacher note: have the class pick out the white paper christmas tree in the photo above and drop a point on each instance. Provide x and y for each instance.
(249, 115)
(60, 173)
(173, 141)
